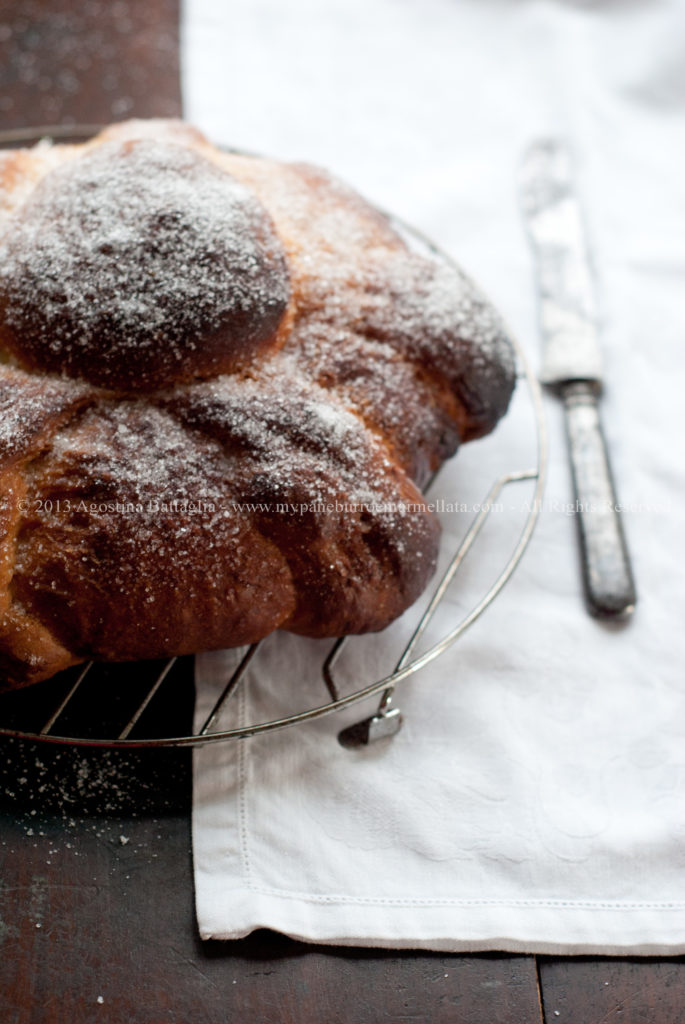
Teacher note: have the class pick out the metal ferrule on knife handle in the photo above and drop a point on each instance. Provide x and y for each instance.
(607, 576)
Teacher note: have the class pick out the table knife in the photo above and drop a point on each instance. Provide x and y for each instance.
(572, 367)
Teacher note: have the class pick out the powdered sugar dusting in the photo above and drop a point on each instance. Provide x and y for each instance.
(360, 286)
(30, 407)
(270, 490)
(357, 536)
(259, 422)
(125, 260)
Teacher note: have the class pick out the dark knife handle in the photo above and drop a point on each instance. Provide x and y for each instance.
(607, 575)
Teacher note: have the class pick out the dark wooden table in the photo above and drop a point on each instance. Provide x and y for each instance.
(96, 888)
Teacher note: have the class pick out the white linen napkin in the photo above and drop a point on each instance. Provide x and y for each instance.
(534, 800)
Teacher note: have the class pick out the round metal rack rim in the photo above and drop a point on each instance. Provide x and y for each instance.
(405, 667)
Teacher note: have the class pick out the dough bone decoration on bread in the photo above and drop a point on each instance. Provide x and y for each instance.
(223, 380)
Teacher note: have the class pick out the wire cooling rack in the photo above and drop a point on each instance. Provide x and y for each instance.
(23, 717)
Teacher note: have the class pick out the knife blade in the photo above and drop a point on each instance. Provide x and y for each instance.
(572, 366)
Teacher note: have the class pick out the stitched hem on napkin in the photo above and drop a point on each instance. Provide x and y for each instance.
(516, 926)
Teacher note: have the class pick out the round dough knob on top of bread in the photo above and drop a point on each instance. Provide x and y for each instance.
(138, 265)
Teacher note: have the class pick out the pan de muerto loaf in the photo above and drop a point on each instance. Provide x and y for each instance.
(222, 381)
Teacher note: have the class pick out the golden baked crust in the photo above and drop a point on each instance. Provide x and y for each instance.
(221, 380)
